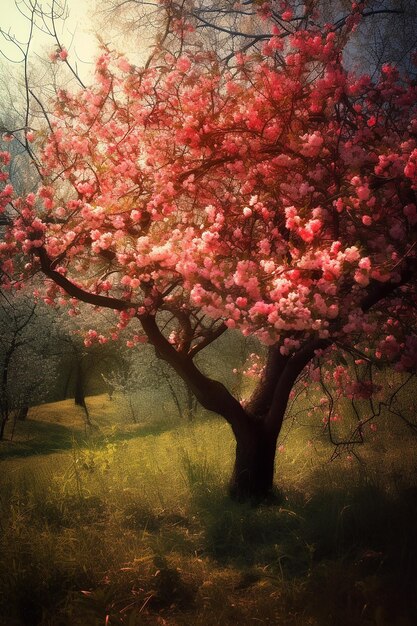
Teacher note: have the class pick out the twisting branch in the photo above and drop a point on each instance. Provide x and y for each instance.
(77, 292)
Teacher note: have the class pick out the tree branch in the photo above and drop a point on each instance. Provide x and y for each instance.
(211, 394)
(212, 336)
(290, 373)
(77, 292)
(379, 291)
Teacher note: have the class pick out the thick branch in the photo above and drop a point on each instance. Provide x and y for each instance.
(260, 401)
(208, 339)
(342, 21)
(378, 291)
(292, 370)
(77, 292)
(211, 394)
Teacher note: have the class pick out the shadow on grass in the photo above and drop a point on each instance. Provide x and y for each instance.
(40, 438)
(37, 437)
(137, 430)
(357, 548)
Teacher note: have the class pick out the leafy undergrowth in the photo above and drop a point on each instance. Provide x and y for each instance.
(131, 525)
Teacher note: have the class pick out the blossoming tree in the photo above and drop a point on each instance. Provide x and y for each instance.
(26, 363)
(276, 196)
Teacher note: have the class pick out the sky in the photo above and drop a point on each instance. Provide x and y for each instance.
(77, 34)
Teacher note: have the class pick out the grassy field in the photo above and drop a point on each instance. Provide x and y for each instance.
(130, 524)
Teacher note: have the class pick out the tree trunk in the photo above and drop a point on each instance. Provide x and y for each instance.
(256, 441)
(191, 401)
(79, 392)
(253, 472)
(4, 396)
(2, 426)
(22, 413)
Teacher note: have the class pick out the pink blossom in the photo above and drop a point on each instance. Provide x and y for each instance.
(363, 192)
(183, 64)
(123, 64)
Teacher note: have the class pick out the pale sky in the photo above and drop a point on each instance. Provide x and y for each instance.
(77, 34)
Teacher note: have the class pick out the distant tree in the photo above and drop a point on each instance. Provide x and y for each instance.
(27, 369)
(275, 195)
(143, 372)
(82, 365)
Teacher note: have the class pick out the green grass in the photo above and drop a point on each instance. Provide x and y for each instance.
(131, 524)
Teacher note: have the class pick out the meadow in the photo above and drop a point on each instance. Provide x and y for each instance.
(130, 524)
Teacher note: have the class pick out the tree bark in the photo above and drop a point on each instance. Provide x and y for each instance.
(253, 471)
(4, 389)
(256, 440)
(2, 427)
(22, 413)
(79, 391)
